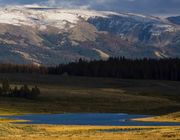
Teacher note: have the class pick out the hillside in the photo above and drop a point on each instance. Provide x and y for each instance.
(51, 36)
(61, 94)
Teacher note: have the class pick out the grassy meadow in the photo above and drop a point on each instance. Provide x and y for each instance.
(59, 132)
(47, 132)
(63, 94)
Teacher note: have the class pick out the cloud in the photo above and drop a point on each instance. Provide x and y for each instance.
(139, 6)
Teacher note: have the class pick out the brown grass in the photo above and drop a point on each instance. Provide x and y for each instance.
(43, 132)
(80, 94)
(173, 117)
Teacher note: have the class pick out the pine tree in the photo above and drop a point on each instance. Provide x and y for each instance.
(5, 87)
(35, 92)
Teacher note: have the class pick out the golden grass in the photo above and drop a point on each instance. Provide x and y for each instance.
(45, 132)
(4, 120)
(173, 117)
(76, 94)
(60, 132)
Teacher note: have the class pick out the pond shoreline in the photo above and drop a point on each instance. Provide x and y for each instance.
(95, 119)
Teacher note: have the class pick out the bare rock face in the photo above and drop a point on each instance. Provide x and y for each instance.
(52, 36)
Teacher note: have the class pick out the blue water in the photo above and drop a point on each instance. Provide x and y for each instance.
(101, 119)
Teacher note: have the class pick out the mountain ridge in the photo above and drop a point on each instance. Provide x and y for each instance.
(54, 36)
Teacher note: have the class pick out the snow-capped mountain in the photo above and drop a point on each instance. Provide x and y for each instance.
(174, 19)
(50, 36)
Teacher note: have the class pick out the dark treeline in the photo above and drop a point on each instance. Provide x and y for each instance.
(162, 69)
(12, 68)
(157, 69)
(22, 92)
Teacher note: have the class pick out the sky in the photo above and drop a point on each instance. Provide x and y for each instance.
(137, 6)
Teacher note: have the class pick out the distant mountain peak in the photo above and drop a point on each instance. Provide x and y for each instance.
(32, 15)
(44, 35)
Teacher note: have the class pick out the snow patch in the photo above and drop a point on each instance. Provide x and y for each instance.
(42, 17)
(26, 56)
(102, 54)
(160, 55)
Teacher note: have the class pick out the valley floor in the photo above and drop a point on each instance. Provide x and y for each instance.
(63, 94)
(43, 132)
(80, 94)
(59, 132)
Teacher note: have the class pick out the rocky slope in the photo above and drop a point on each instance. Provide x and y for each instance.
(175, 19)
(52, 36)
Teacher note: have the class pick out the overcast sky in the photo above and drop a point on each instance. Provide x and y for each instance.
(138, 6)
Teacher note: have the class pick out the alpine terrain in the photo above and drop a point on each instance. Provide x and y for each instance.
(51, 36)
